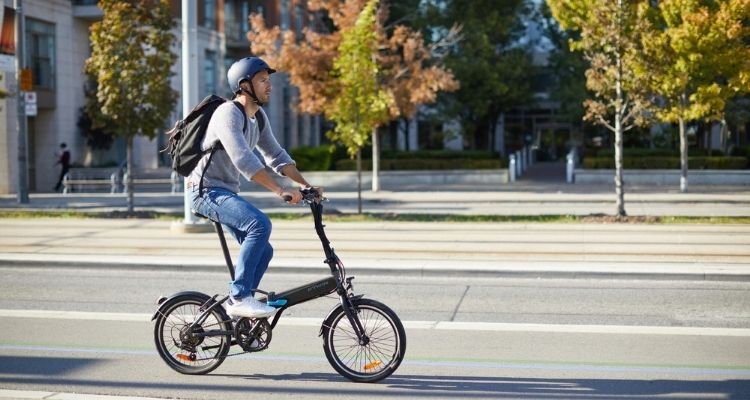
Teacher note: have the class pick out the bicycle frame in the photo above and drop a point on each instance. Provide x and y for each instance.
(338, 281)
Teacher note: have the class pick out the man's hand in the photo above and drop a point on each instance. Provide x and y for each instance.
(291, 196)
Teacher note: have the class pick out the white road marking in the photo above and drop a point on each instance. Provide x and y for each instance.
(437, 325)
(33, 394)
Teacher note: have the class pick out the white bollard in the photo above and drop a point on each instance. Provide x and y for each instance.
(512, 168)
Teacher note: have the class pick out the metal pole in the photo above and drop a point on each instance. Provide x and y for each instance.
(189, 81)
(22, 193)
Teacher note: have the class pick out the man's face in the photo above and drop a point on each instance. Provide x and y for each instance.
(262, 84)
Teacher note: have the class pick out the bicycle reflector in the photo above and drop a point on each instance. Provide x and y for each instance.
(372, 365)
(184, 357)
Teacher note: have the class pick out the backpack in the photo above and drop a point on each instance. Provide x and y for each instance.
(185, 138)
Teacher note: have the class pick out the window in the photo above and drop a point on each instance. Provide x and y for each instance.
(209, 14)
(40, 52)
(209, 73)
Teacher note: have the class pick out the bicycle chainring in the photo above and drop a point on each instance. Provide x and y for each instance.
(253, 334)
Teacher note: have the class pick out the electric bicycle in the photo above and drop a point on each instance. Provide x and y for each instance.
(363, 339)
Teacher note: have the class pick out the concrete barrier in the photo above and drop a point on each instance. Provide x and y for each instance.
(665, 176)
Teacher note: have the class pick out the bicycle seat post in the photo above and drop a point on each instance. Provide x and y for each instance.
(224, 248)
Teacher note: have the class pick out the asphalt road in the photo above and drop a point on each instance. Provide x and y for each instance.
(88, 331)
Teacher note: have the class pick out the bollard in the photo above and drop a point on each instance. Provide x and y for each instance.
(512, 168)
(113, 183)
(176, 182)
(570, 168)
(529, 158)
(518, 164)
(524, 160)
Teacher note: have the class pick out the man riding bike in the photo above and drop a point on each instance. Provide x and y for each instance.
(249, 80)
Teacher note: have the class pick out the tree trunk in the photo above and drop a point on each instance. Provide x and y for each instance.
(619, 184)
(683, 156)
(129, 181)
(359, 181)
(375, 160)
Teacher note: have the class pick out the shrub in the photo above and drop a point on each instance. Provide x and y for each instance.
(423, 164)
(440, 154)
(313, 158)
(667, 163)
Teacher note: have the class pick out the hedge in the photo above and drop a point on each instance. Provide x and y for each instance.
(423, 164)
(639, 152)
(313, 158)
(667, 163)
(439, 154)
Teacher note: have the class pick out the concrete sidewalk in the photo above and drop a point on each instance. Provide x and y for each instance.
(518, 198)
(695, 252)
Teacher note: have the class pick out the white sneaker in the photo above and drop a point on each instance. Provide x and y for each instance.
(249, 307)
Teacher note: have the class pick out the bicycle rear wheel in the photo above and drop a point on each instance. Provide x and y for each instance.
(195, 350)
(371, 361)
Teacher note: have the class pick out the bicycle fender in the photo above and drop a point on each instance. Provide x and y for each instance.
(326, 321)
(164, 302)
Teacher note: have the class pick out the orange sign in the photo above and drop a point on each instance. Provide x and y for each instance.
(26, 83)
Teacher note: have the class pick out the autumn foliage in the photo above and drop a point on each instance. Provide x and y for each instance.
(408, 73)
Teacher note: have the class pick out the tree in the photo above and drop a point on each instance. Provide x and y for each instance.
(408, 70)
(568, 68)
(131, 62)
(696, 56)
(610, 44)
(362, 105)
(494, 69)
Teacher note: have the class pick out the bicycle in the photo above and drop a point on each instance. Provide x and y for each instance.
(363, 339)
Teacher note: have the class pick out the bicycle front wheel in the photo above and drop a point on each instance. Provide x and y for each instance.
(375, 359)
(188, 348)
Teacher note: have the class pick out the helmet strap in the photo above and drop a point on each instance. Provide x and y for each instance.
(251, 93)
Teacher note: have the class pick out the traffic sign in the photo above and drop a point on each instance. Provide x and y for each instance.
(29, 100)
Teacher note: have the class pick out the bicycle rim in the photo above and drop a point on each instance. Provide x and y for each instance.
(375, 360)
(190, 354)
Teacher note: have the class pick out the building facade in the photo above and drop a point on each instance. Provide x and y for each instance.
(57, 46)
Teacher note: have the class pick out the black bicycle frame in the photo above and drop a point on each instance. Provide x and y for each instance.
(301, 294)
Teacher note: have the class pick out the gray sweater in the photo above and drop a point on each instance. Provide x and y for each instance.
(237, 157)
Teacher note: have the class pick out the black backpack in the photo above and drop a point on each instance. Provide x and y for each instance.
(185, 138)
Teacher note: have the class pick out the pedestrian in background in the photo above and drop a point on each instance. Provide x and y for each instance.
(64, 160)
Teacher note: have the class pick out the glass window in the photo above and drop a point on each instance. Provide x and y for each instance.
(209, 14)
(209, 73)
(40, 52)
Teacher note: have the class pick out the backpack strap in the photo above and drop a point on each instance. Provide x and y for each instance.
(261, 120)
(218, 144)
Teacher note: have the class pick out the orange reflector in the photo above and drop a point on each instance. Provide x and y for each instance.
(372, 365)
(183, 357)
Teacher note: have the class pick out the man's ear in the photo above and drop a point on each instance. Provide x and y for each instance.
(245, 85)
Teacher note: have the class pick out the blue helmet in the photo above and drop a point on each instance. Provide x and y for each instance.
(245, 69)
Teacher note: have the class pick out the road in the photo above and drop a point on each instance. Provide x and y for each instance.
(88, 331)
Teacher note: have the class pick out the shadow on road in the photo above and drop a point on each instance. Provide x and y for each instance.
(52, 373)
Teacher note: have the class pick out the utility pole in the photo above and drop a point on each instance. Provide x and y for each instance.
(22, 193)
(189, 98)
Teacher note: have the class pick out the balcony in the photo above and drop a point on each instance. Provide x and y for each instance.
(86, 9)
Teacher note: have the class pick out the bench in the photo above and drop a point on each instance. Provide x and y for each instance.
(96, 179)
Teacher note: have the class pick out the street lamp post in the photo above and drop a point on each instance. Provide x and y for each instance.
(22, 193)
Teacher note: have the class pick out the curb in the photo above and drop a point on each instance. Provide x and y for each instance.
(404, 271)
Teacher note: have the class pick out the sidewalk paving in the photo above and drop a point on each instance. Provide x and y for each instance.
(518, 198)
(695, 252)
(441, 249)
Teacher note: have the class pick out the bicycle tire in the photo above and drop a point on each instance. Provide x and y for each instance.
(178, 314)
(374, 361)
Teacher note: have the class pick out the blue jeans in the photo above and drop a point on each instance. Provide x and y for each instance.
(250, 226)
